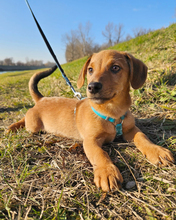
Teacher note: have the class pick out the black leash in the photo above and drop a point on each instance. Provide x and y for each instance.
(76, 94)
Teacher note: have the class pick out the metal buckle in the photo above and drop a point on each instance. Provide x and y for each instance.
(78, 95)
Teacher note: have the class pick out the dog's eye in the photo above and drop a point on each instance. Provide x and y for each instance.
(90, 69)
(115, 69)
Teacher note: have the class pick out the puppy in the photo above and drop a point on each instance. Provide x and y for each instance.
(97, 119)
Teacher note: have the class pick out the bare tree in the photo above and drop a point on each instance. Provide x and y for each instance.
(33, 63)
(71, 41)
(118, 33)
(72, 51)
(85, 39)
(113, 33)
(19, 63)
(78, 43)
(8, 61)
(108, 33)
(49, 64)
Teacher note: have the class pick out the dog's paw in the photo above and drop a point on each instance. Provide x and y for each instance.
(159, 156)
(11, 128)
(108, 177)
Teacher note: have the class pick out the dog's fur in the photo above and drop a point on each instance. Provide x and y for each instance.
(114, 72)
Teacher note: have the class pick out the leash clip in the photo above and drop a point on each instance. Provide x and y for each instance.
(78, 95)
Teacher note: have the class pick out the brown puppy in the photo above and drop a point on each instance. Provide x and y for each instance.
(109, 75)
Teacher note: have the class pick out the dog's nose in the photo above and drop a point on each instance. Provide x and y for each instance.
(94, 87)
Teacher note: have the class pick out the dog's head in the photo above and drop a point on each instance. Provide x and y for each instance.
(110, 73)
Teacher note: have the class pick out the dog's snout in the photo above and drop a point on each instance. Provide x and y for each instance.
(94, 87)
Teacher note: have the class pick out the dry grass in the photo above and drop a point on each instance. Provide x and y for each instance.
(47, 177)
(43, 179)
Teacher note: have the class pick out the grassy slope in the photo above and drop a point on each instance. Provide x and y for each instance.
(42, 179)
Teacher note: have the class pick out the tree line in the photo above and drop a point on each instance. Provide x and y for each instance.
(10, 62)
(79, 43)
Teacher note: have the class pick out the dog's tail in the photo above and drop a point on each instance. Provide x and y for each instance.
(33, 89)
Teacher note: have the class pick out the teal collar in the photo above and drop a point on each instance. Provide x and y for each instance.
(118, 126)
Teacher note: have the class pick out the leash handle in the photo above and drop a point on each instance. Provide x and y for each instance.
(76, 94)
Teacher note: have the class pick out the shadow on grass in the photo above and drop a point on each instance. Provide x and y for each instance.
(168, 78)
(10, 109)
(20, 74)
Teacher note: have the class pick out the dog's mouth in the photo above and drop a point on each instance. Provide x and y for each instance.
(101, 100)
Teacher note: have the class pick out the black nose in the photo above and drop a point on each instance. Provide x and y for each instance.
(94, 87)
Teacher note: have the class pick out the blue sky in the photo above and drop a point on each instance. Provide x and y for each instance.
(20, 39)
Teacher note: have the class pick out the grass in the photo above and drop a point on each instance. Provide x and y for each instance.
(47, 177)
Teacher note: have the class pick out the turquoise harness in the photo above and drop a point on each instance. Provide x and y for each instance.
(118, 126)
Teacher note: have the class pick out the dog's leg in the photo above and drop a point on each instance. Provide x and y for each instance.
(106, 174)
(15, 126)
(154, 153)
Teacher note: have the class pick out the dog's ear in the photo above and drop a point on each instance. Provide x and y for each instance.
(138, 71)
(82, 74)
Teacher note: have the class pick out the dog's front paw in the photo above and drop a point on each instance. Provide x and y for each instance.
(107, 177)
(159, 156)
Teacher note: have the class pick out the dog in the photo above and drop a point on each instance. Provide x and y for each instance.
(98, 118)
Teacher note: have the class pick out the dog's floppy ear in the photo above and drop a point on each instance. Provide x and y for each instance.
(138, 71)
(82, 74)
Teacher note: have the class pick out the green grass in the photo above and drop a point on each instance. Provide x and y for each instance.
(41, 179)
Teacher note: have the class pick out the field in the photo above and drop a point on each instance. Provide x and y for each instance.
(47, 177)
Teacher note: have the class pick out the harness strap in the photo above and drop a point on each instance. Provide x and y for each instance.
(117, 126)
(103, 116)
